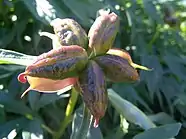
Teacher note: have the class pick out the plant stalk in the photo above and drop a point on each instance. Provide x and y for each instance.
(68, 114)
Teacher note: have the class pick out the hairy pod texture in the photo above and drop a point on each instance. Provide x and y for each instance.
(92, 87)
(103, 32)
(117, 69)
(57, 64)
(69, 32)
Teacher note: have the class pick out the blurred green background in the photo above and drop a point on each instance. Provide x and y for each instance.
(152, 31)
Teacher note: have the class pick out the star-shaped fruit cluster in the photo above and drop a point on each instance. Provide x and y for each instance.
(84, 61)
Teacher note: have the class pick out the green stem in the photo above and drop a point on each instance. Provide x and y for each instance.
(68, 114)
(48, 129)
(85, 125)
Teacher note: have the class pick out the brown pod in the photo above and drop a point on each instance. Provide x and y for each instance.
(93, 90)
(69, 32)
(58, 64)
(102, 33)
(117, 69)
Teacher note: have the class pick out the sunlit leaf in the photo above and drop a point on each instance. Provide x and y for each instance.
(129, 111)
(45, 10)
(16, 124)
(33, 130)
(12, 57)
(162, 118)
(161, 132)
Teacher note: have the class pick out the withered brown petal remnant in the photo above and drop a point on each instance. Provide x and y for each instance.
(103, 32)
(69, 32)
(117, 69)
(58, 64)
(93, 90)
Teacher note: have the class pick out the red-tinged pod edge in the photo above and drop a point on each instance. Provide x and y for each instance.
(22, 78)
(96, 122)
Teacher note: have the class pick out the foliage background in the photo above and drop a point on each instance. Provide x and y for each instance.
(151, 40)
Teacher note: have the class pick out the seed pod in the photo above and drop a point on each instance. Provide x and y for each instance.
(124, 54)
(120, 52)
(103, 32)
(117, 69)
(69, 32)
(93, 90)
(57, 64)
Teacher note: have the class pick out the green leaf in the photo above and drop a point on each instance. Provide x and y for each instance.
(45, 10)
(33, 98)
(128, 91)
(151, 11)
(33, 130)
(175, 64)
(7, 38)
(151, 78)
(129, 111)
(162, 118)
(12, 57)
(88, 11)
(13, 105)
(46, 99)
(2, 114)
(16, 124)
(161, 132)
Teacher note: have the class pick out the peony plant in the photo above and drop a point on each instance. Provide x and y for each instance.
(83, 61)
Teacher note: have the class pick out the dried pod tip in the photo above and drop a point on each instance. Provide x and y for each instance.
(96, 122)
(22, 78)
(26, 91)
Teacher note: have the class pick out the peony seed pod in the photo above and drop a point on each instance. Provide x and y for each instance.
(103, 32)
(92, 87)
(57, 64)
(124, 54)
(117, 69)
(120, 52)
(69, 32)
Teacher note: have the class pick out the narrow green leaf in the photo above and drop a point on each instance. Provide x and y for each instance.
(12, 57)
(151, 78)
(161, 132)
(175, 65)
(129, 111)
